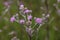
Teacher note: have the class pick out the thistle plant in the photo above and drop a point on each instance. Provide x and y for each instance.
(19, 22)
(27, 21)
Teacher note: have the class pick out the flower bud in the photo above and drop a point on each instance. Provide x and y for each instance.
(28, 23)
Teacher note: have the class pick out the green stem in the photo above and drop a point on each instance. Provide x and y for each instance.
(47, 11)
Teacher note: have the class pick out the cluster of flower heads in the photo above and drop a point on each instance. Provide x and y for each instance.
(27, 19)
(26, 13)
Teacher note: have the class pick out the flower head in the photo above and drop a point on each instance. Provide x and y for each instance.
(21, 6)
(12, 19)
(38, 20)
(27, 11)
(22, 21)
(29, 17)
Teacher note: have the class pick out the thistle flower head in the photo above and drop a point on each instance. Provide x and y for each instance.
(29, 17)
(38, 20)
(27, 11)
(22, 21)
(12, 19)
(21, 7)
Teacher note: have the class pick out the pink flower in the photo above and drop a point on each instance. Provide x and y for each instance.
(12, 19)
(27, 11)
(29, 17)
(21, 6)
(22, 21)
(38, 20)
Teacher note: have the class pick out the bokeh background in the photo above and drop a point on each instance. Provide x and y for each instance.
(36, 6)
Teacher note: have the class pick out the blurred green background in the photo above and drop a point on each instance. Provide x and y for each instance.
(35, 5)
